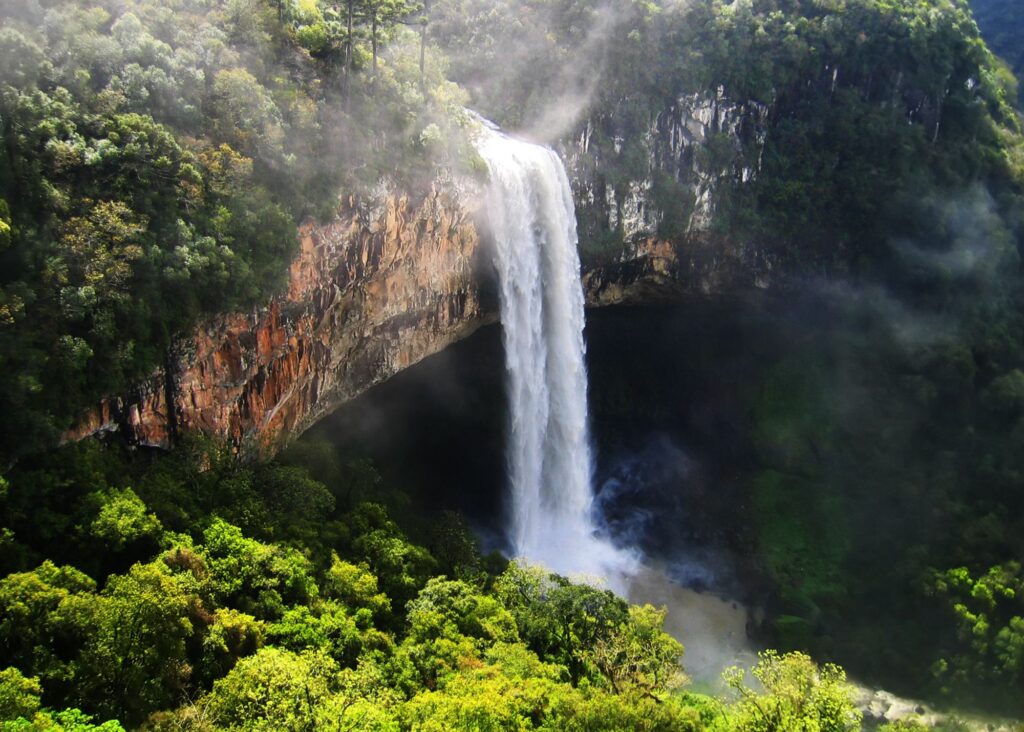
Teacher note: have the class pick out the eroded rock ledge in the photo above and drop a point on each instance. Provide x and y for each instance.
(700, 264)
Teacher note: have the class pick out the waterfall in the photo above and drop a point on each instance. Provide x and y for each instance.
(533, 225)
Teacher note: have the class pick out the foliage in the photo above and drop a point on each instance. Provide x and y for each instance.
(134, 654)
(796, 695)
(122, 519)
(19, 697)
(355, 586)
(274, 689)
(156, 157)
(155, 161)
(1002, 24)
(989, 612)
(209, 628)
(854, 508)
(560, 621)
(639, 656)
(825, 120)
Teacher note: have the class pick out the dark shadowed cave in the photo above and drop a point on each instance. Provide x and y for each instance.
(667, 409)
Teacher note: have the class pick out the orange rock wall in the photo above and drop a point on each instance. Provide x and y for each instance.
(368, 295)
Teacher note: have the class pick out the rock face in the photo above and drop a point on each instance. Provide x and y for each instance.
(653, 197)
(368, 295)
(662, 270)
(665, 178)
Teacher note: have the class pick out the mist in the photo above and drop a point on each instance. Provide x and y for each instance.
(533, 68)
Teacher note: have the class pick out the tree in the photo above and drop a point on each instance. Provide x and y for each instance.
(35, 633)
(274, 690)
(327, 627)
(122, 519)
(561, 621)
(246, 114)
(134, 658)
(424, 25)
(514, 690)
(451, 625)
(255, 577)
(797, 695)
(384, 13)
(19, 696)
(988, 609)
(355, 586)
(639, 655)
(401, 567)
(232, 635)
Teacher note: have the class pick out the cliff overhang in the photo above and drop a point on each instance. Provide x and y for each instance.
(374, 291)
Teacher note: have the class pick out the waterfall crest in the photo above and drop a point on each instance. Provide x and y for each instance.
(533, 222)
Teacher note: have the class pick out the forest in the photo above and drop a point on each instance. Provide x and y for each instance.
(1001, 23)
(158, 158)
(225, 603)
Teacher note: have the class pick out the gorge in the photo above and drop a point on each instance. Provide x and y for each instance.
(340, 400)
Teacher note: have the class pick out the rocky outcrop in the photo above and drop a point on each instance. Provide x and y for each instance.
(881, 707)
(667, 177)
(659, 270)
(373, 292)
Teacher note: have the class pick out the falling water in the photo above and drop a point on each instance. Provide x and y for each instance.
(533, 221)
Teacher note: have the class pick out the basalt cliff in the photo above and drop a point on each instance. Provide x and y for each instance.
(387, 284)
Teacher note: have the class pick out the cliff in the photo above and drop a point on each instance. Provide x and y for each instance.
(369, 294)
(701, 264)
(385, 285)
(650, 197)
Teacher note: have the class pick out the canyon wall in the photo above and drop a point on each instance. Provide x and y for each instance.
(649, 194)
(667, 174)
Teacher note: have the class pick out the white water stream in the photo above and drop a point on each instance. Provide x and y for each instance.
(533, 222)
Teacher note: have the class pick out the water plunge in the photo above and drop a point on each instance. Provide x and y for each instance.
(533, 222)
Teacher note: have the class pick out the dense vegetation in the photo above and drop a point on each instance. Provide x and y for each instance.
(897, 423)
(1002, 23)
(889, 156)
(156, 158)
(188, 592)
(846, 112)
(859, 451)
